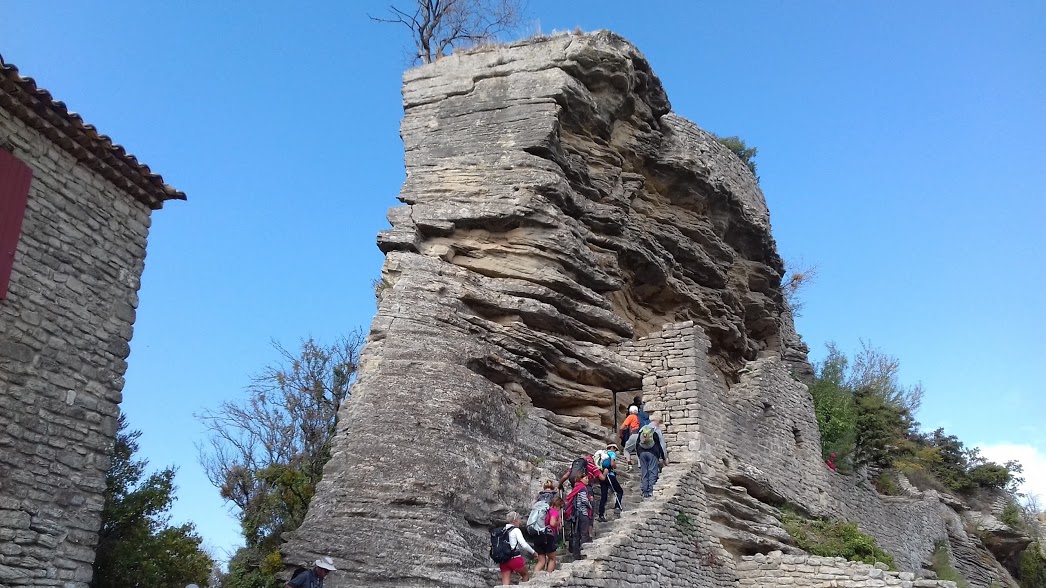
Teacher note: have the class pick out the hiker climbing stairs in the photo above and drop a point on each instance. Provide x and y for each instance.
(633, 547)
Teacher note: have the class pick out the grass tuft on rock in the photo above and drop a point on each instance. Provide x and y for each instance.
(834, 539)
(942, 565)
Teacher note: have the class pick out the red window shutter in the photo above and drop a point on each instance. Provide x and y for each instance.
(15, 177)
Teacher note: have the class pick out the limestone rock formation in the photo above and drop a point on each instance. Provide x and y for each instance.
(567, 243)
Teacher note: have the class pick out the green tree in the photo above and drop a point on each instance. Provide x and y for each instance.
(863, 413)
(881, 429)
(266, 453)
(137, 546)
(878, 373)
(834, 406)
(739, 148)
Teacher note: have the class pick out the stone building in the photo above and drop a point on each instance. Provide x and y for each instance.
(74, 217)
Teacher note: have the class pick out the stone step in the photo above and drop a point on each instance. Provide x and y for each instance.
(609, 536)
(605, 536)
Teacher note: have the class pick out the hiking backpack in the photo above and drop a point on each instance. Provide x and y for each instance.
(646, 437)
(500, 546)
(299, 571)
(578, 467)
(601, 458)
(537, 522)
(644, 418)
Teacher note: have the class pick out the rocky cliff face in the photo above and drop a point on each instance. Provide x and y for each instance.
(567, 243)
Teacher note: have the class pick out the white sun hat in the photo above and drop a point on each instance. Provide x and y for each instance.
(326, 563)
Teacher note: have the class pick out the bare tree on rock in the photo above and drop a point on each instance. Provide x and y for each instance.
(440, 25)
(798, 275)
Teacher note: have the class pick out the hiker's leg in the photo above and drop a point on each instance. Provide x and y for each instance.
(506, 578)
(575, 537)
(648, 462)
(644, 466)
(586, 528)
(551, 563)
(541, 563)
(604, 487)
(618, 490)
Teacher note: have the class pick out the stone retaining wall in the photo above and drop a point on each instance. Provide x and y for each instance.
(65, 329)
(760, 433)
(775, 569)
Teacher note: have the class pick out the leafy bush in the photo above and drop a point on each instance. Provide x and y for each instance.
(1011, 515)
(961, 469)
(942, 565)
(245, 574)
(886, 483)
(834, 539)
(990, 475)
(1031, 570)
(919, 476)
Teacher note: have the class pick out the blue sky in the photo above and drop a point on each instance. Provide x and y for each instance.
(901, 149)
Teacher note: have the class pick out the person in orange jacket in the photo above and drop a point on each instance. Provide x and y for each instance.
(629, 427)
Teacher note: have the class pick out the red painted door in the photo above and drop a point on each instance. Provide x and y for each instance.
(15, 177)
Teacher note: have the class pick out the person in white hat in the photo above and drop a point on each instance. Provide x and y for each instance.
(313, 578)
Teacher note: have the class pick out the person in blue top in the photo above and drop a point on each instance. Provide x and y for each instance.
(313, 578)
(610, 482)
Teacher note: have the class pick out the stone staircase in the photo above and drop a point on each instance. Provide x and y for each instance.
(617, 521)
(657, 541)
(604, 534)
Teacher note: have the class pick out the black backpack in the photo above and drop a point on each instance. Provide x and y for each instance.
(298, 571)
(500, 547)
(579, 467)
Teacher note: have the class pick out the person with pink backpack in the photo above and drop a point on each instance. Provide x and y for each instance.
(548, 543)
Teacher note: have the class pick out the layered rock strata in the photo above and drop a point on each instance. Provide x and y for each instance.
(554, 208)
(565, 244)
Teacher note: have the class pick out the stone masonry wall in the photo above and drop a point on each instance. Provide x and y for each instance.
(65, 329)
(666, 541)
(776, 569)
(760, 433)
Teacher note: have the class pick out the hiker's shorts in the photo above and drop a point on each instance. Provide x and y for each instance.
(546, 543)
(514, 565)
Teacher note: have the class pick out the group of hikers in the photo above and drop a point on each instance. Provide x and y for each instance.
(555, 516)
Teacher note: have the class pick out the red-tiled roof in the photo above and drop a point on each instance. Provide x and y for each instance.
(37, 109)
